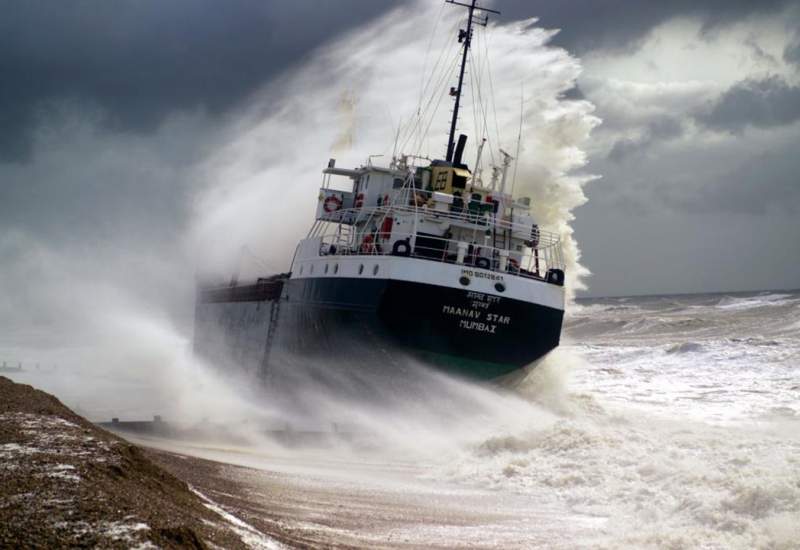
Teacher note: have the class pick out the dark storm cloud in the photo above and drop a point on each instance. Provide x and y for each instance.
(760, 103)
(574, 93)
(792, 52)
(756, 179)
(753, 186)
(139, 60)
(658, 129)
(618, 24)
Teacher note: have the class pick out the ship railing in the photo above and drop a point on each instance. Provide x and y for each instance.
(344, 220)
(534, 261)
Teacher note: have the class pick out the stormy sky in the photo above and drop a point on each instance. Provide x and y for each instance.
(106, 107)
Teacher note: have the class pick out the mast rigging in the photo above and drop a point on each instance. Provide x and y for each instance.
(464, 36)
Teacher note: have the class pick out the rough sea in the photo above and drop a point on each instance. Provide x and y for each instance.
(679, 425)
(660, 422)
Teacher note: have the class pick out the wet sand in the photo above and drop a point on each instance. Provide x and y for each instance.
(310, 499)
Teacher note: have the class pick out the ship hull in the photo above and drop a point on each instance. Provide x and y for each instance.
(364, 324)
(470, 333)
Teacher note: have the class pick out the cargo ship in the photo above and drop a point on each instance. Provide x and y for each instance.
(421, 257)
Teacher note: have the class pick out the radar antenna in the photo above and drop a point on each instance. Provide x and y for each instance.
(464, 36)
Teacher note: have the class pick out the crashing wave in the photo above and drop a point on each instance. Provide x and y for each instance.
(685, 347)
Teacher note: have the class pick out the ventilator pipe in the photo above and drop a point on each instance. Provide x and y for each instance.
(462, 252)
(503, 260)
(462, 141)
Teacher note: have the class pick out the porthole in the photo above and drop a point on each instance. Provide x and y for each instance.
(361, 269)
(464, 280)
(326, 269)
(375, 269)
(335, 269)
(500, 287)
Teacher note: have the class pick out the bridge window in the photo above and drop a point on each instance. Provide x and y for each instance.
(441, 181)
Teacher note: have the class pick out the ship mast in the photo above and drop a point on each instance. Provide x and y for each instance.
(466, 38)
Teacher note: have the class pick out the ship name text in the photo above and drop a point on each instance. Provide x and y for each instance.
(472, 319)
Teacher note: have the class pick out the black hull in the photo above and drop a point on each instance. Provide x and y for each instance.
(367, 321)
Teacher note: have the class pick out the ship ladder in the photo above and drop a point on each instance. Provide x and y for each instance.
(344, 238)
(274, 313)
(498, 238)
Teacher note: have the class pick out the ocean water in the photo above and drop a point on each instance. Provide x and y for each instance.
(678, 425)
(717, 358)
(661, 422)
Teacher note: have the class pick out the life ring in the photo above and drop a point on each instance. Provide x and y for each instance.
(483, 263)
(359, 200)
(555, 276)
(368, 244)
(396, 248)
(332, 204)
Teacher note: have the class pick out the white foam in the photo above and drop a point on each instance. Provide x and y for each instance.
(655, 480)
(737, 303)
(250, 536)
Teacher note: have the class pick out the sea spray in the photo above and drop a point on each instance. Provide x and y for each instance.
(362, 91)
(359, 96)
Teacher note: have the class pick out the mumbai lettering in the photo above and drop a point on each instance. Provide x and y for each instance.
(474, 325)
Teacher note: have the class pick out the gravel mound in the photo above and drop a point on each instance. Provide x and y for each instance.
(64, 482)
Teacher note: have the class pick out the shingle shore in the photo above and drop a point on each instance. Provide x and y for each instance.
(64, 482)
